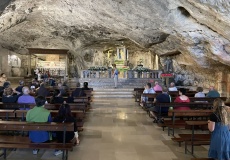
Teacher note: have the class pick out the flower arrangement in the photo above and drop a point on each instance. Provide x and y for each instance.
(141, 69)
(123, 69)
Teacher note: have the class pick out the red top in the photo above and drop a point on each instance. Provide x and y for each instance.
(178, 100)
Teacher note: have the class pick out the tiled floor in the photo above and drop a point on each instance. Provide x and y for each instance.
(117, 129)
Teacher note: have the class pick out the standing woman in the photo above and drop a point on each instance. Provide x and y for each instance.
(115, 75)
(219, 126)
(3, 79)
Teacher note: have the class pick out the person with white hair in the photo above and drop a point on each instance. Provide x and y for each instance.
(172, 87)
(26, 98)
(213, 93)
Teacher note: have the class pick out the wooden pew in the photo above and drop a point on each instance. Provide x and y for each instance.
(83, 100)
(194, 141)
(18, 111)
(8, 142)
(73, 106)
(5, 114)
(137, 94)
(192, 105)
(173, 93)
(14, 106)
(185, 113)
(21, 114)
(187, 137)
(202, 99)
(151, 97)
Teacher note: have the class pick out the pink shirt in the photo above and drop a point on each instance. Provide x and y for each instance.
(157, 87)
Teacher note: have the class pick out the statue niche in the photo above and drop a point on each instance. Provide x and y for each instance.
(168, 65)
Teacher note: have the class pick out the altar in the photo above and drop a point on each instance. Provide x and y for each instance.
(121, 58)
(52, 61)
(129, 74)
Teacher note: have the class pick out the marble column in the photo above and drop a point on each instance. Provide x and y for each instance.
(144, 74)
(130, 74)
(97, 74)
(83, 74)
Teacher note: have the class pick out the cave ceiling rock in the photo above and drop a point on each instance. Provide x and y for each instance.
(199, 29)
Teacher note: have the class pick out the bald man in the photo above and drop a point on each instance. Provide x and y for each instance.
(213, 93)
(26, 98)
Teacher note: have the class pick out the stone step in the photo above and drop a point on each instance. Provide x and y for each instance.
(113, 89)
(113, 96)
(112, 93)
(122, 82)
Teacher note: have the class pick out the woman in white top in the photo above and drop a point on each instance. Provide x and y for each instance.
(148, 89)
(199, 92)
(172, 87)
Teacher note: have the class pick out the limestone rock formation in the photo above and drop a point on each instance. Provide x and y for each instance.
(196, 29)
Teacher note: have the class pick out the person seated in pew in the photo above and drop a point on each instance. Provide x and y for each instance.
(213, 93)
(218, 125)
(56, 98)
(199, 92)
(42, 91)
(26, 98)
(148, 90)
(164, 97)
(52, 82)
(10, 96)
(157, 87)
(21, 85)
(61, 89)
(85, 86)
(65, 115)
(35, 84)
(5, 85)
(39, 114)
(172, 87)
(182, 98)
(78, 92)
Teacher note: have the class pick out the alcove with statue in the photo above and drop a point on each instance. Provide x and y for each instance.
(133, 66)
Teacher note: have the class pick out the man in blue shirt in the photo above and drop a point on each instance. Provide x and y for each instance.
(164, 97)
(26, 98)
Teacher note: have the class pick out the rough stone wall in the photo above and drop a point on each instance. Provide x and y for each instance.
(198, 29)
